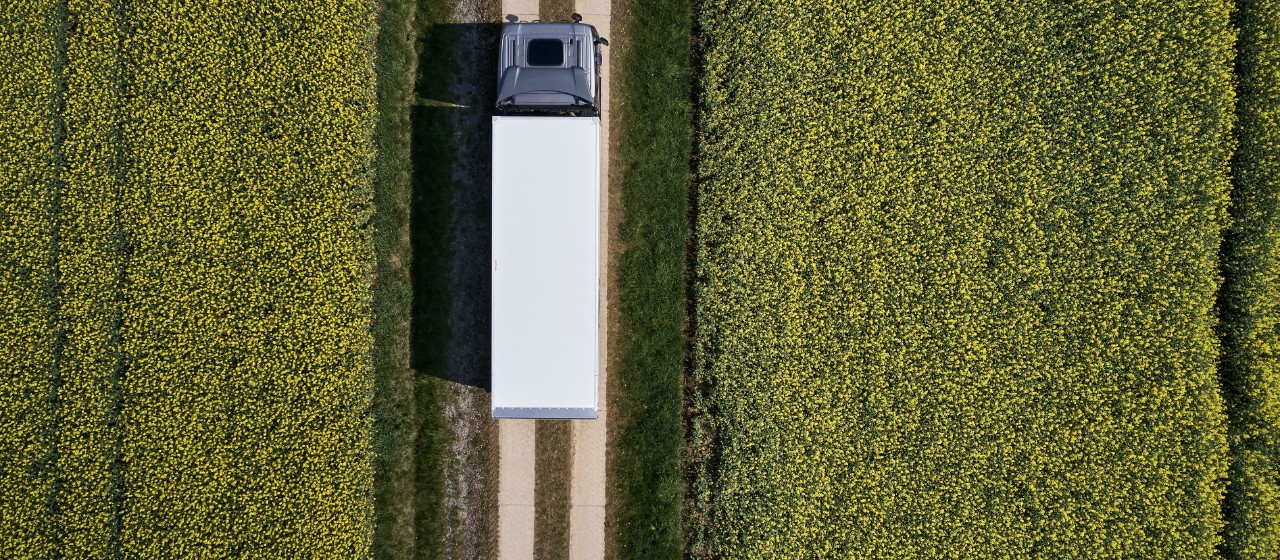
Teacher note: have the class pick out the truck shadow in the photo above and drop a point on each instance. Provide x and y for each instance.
(450, 213)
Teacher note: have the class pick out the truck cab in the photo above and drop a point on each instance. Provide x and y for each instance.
(549, 68)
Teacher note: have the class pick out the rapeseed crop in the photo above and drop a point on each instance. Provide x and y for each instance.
(1251, 293)
(91, 271)
(956, 275)
(246, 404)
(27, 53)
(187, 268)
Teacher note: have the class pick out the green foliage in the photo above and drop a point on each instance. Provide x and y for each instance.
(27, 51)
(956, 274)
(653, 126)
(1251, 292)
(396, 421)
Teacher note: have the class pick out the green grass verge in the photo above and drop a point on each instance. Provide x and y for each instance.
(450, 158)
(653, 123)
(1251, 292)
(418, 162)
(429, 234)
(956, 277)
(408, 484)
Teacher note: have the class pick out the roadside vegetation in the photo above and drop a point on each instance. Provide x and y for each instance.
(553, 452)
(408, 496)
(434, 456)
(1250, 300)
(652, 116)
(555, 10)
(957, 265)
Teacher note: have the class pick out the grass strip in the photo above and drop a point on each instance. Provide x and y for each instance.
(396, 402)
(553, 452)
(451, 461)
(652, 116)
(1250, 300)
(429, 218)
(555, 10)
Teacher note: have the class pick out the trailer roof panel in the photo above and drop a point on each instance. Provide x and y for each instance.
(545, 291)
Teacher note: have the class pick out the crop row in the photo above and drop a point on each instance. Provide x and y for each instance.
(195, 372)
(90, 276)
(27, 53)
(957, 265)
(1251, 293)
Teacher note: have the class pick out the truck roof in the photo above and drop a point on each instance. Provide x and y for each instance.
(548, 67)
(546, 265)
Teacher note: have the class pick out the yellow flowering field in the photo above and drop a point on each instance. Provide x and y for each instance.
(1251, 294)
(90, 271)
(246, 402)
(187, 348)
(956, 275)
(27, 186)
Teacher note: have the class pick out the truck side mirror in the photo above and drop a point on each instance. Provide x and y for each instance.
(577, 18)
(602, 41)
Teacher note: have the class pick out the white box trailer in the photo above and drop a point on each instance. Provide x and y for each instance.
(546, 266)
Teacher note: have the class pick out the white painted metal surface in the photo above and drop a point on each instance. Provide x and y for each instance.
(546, 247)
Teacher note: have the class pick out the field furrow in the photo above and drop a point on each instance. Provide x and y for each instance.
(90, 262)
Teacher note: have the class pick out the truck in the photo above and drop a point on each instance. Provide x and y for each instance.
(545, 290)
